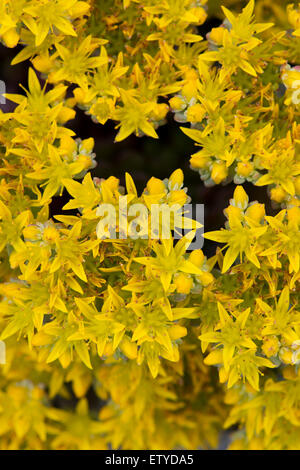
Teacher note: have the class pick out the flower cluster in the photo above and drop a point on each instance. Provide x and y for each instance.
(251, 324)
(243, 105)
(84, 307)
(124, 56)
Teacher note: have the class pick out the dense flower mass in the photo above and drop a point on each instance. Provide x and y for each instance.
(175, 345)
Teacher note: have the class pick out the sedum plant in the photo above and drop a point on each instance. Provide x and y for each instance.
(172, 346)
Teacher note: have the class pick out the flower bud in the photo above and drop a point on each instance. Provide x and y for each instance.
(199, 161)
(176, 332)
(294, 215)
(205, 278)
(81, 385)
(128, 348)
(271, 346)
(240, 197)
(286, 355)
(244, 168)
(197, 257)
(68, 145)
(155, 186)
(42, 63)
(278, 194)
(177, 197)
(177, 104)
(176, 179)
(214, 357)
(11, 37)
(17, 393)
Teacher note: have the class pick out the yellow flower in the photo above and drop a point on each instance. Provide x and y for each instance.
(197, 258)
(232, 335)
(271, 346)
(183, 283)
(11, 37)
